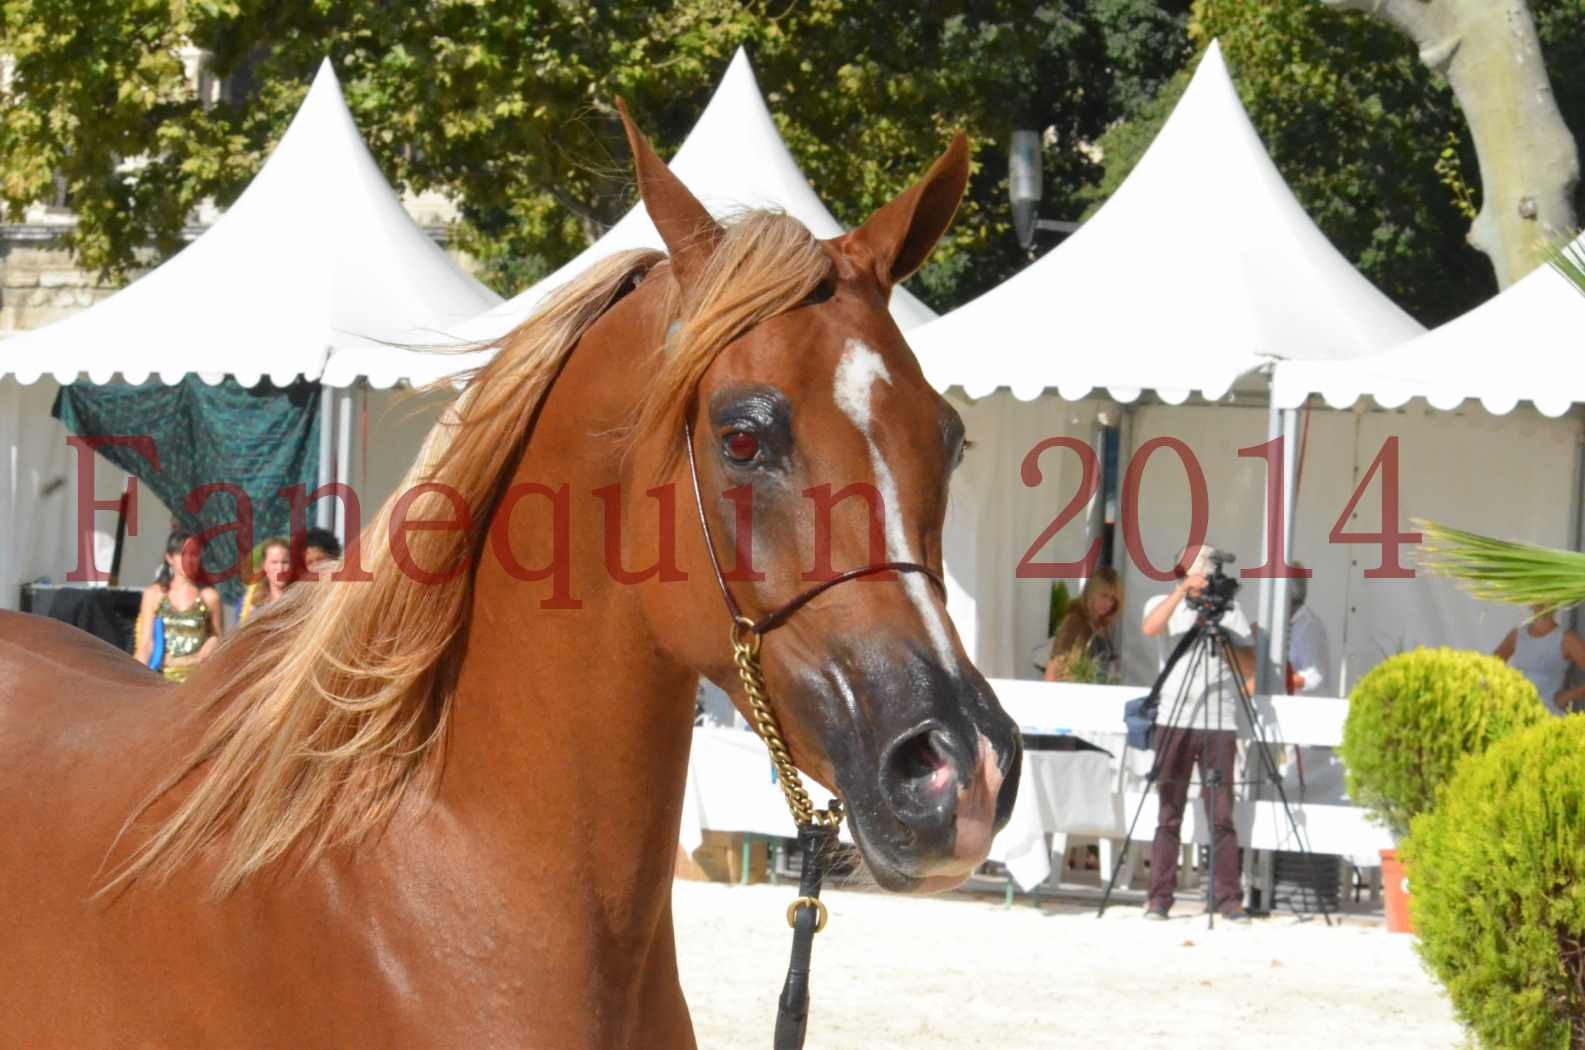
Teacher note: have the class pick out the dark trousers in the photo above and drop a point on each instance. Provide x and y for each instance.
(1177, 751)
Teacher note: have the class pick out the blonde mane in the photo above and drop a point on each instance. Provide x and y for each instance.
(334, 702)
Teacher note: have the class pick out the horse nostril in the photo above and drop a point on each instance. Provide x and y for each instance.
(920, 770)
(921, 757)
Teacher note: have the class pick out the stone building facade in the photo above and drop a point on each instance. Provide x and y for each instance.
(40, 282)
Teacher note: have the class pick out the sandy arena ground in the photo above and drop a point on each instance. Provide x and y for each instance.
(962, 972)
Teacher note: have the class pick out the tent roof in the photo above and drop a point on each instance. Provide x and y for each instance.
(315, 258)
(734, 158)
(1201, 267)
(1517, 346)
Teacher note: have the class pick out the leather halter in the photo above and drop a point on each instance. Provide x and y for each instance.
(769, 622)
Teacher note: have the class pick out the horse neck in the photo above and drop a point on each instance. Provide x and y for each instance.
(571, 729)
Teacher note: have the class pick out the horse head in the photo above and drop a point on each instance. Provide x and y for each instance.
(818, 448)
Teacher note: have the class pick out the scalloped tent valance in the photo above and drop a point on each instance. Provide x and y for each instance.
(317, 257)
(1520, 345)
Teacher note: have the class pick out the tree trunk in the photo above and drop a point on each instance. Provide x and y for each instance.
(1489, 52)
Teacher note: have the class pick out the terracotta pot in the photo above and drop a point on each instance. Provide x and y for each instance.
(1395, 888)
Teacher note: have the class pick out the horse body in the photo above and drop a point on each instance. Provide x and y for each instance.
(441, 807)
(433, 933)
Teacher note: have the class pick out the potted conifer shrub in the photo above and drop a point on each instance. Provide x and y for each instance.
(1410, 722)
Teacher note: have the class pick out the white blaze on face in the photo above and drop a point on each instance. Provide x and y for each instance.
(855, 380)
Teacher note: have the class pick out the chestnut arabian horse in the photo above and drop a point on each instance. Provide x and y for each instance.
(435, 800)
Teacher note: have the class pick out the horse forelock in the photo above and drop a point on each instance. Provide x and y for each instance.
(330, 707)
(764, 264)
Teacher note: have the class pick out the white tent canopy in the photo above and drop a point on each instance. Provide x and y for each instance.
(1517, 346)
(315, 258)
(1199, 269)
(734, 158)
(1202, 268)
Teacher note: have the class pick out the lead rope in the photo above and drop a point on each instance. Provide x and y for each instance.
(807, 917)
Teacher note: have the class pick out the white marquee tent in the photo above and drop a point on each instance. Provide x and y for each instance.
(1200, 271)
(1495, 457)
(1201, 268)
(1519, 346)
(1513, 476)
(317, 257)
(733, 159)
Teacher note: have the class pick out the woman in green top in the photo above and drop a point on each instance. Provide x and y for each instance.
(189, 614)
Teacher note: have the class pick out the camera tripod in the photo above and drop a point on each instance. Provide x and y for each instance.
(1207, 648)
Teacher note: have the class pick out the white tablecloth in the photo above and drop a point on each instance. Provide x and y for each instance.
(731, 787)
(1062, 792)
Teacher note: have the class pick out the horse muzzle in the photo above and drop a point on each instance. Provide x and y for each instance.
(940, 788)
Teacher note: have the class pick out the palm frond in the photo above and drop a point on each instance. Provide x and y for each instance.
(1568, 259)
(1504, 570)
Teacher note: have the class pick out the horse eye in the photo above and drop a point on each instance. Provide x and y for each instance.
(741, 447)
(822, 291)
(964, 448)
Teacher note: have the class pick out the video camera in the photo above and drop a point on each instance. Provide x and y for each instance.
(1216, 599)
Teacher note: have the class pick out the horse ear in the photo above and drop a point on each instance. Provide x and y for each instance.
(901, 234)
(689, 231)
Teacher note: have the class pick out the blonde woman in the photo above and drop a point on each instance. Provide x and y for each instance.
(272, 561)
(1085, 634)
(179, 621)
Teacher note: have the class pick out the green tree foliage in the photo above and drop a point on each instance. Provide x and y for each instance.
(912, 74)
(1561, 26)
(1416, 715)
(506, 106)
(1498, 878)
(1372, 144)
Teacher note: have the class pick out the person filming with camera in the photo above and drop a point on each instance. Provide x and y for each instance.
(1197, 724)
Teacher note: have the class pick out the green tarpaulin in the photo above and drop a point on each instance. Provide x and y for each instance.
(260, 440)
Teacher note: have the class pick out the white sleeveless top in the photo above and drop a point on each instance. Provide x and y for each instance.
(1542, 661)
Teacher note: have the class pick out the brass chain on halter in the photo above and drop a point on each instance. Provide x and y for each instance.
(745, 653)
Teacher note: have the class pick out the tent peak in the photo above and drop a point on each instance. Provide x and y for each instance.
(325, 94)
(740, 61)
(325, 85)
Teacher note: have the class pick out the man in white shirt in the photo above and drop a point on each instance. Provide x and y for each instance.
(1316, 775)
(1308, 653)
(1200, 730)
